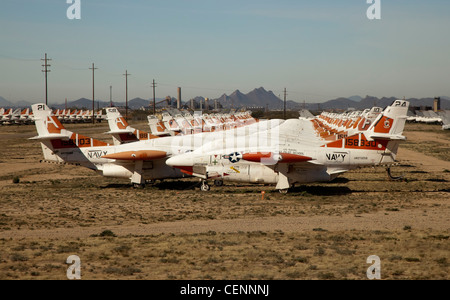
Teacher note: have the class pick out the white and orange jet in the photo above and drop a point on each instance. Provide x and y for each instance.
(284, 156)
(141, 160)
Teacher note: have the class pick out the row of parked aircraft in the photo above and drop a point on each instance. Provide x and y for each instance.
(16, 116)
(430, 117)
(237, 148)
(78, 116)
(25, 116)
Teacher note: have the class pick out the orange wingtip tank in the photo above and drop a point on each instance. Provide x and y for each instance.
(137, 155)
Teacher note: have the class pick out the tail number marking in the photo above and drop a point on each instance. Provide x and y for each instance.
(73, 142)
(399, 103)
(362, 144)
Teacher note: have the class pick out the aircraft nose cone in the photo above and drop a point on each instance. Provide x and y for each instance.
(180, 160)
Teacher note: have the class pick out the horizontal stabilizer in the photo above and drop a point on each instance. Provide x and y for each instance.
(380, 136)
(129, 131)
(51, 137)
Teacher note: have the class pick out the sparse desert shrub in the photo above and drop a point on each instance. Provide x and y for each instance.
(18, 257)
(69, 248)
(104, 233)
(326, 275)
(319, 229)
(412, 259)
(123, 249)
(319, 251)
(124, 271)
(107, 233)
(301, 259)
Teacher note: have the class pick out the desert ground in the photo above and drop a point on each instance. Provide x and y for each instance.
(172, 230)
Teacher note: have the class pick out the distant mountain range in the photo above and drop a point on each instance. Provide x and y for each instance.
(370, 101)
(262, 98)
(258, 98)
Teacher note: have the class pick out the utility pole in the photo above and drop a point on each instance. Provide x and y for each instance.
(46, 70)
(93, 94)
(284, 111)
(110, 96)
(154, 99)
(126, 94)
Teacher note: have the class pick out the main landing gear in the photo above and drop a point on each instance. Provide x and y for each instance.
(139, 185)
(205, 187)
(218, 182)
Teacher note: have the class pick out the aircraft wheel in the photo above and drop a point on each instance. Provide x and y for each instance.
(283, 191)
(205, 187)
(218, 182)
(139, 185)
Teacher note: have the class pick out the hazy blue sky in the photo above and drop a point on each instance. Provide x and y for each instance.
(318, 50)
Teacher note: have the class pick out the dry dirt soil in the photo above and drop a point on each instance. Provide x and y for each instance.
(171, 230)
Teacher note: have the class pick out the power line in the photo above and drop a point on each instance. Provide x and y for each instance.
(154, 98)
(110, 96)
(126, 94)
(46, 70)
(93, 95)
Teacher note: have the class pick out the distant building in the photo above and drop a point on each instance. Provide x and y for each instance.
(437, 104)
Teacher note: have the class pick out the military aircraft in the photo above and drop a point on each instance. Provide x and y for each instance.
(290, 154)
(25, 117)
(332, 126)
(157, 127)
(138, 161)
(6, 116)
(122, 132)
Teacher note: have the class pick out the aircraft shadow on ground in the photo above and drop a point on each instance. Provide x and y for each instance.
(321, 190)
(316, 190)
(116, 186)
(163, 185)
(177, 185)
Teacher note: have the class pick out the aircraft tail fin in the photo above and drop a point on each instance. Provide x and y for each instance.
(54, 137)
(121, 131)
(47, 125)
(119, 128)
(157, 127)
(387, 127)
(390, 123)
